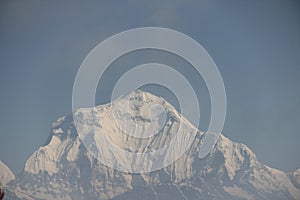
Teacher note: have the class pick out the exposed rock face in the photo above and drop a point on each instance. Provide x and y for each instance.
(64, 169)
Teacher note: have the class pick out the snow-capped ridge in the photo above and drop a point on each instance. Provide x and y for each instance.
(235, 155)
(65, 169)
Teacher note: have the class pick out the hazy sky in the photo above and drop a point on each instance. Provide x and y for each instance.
(255, 44)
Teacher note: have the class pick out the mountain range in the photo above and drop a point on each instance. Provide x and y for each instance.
(65, 168)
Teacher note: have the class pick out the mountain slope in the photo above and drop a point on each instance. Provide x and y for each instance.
(65, 169)
(5, 174)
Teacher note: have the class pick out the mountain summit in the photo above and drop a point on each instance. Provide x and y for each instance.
(66, 168)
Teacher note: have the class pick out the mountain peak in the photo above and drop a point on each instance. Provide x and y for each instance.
(142, 95)
(68, 168)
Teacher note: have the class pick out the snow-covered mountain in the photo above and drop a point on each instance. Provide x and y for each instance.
(5, 174)
(64, 169)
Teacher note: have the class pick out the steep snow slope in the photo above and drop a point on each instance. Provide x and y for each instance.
(65, 169)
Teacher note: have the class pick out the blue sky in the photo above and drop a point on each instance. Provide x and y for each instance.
(255, 44)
